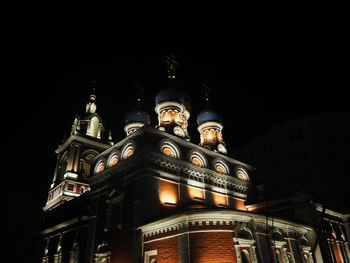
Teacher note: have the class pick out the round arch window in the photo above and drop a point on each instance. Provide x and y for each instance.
(198, 159)
(242, 174)
(170, 149)
(113, 159)
(221, 167)
(128, 150)
(100, 167)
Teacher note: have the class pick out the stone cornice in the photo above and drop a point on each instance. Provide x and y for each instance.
(173, 169)
(330, 212)
(146, 129)
(229, 217)
(83, 140)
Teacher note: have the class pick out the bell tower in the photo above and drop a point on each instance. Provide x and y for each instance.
(86, 140)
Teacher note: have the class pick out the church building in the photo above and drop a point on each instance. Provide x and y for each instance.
(155, 196)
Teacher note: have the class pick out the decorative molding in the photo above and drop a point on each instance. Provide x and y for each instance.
(149, 254)
(196, 218)
(78, 138)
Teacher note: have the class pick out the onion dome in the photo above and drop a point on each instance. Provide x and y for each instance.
(170, 94)
(208, 115)
(137, 116)
(210, 127)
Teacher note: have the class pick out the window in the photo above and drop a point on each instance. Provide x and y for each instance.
(169, 149)
(128, 150)
(70, 187)
(242, 174)
(100, 167)
(220, 167)
(198, 159)
(112, 160)
(245, 256)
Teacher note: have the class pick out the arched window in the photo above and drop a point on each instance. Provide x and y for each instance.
(277, 235)
(242, 174)
(278, 256)
(197, 159)
(245, 256)
(170, 149)
(244, 233)
(128, 150)
(74, 253)
(85, 164)
(220, 167)
(304, 241)
(94, 127)
(112, 159)
(211, 136)
(100, 167)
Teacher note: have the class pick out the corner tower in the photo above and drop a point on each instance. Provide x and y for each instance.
(72, 167)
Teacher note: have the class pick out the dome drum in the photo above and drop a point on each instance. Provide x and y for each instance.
(130, 128)
(211, 136)
(135, 120)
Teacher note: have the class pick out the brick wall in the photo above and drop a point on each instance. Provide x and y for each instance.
(212, 247)
(167, 249)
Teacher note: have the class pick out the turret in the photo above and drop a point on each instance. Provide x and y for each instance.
(73, 155)
(137, 118)
(210, 128)
(170, 106)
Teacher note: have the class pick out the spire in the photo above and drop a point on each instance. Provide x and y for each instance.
(136, 118)
(110, 135)
(171, 66)
(91, 105)
(110, 139)
(139, 92)
(206, 93)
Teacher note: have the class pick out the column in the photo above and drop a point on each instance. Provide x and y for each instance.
(238, 253)
(253, 254)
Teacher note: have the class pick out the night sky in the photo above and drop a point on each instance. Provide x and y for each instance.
(51, 84)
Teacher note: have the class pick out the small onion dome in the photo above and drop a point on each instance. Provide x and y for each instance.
(138, 116)
(208, 115)
(103, 248)
(170, 95)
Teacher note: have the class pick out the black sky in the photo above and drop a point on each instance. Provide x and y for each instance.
(252, 92)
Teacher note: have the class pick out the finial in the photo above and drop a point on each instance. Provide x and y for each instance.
(93, 86)
(139, 90)
(206, 92)
(171, 66)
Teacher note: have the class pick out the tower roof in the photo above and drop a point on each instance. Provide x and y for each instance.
(138, 116)
(208, 115)
(170, 94)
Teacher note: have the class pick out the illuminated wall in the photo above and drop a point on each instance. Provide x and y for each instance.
(219, 200)
(168, 192)
(239, 204)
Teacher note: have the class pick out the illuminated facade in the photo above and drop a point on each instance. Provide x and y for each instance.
(157, 197)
